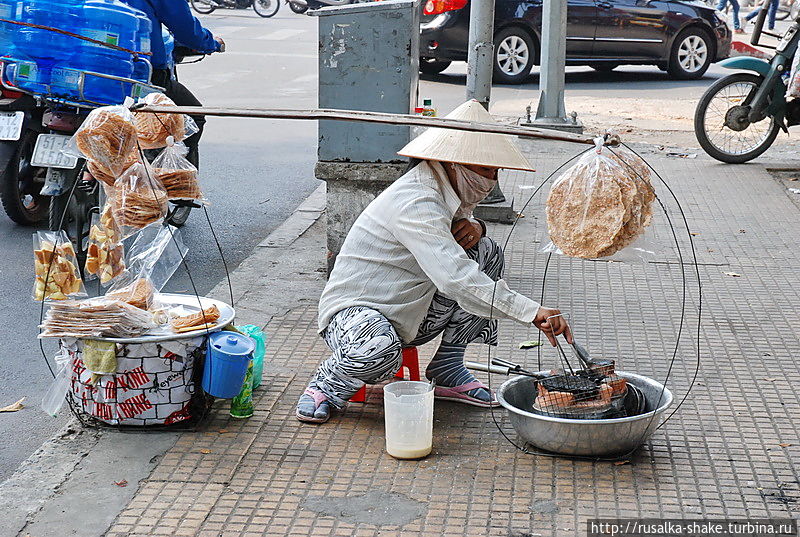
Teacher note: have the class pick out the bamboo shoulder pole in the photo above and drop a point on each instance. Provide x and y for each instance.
(369, 117)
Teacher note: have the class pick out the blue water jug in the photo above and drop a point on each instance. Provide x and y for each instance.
(9, 10)
(227, 357)
(44, 47)
(107, 21)
(141, 66)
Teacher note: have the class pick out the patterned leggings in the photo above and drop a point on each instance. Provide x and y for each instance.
(366, 349)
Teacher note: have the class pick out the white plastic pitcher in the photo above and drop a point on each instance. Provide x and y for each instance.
(408, 410)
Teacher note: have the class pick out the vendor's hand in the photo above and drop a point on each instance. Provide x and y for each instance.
(550, 321)
(467, 232)
(221, 44)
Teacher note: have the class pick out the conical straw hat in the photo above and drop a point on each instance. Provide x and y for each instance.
(467, 147)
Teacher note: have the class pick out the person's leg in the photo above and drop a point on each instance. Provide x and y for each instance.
(773, 12)
(458, 328)
(181, 96)
(735, 9)
(753, 14)
(365, 350)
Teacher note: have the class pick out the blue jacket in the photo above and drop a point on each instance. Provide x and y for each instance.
(175, 15)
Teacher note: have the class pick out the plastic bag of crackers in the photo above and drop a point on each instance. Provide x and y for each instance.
(107, 139)
(601, 205)
(105, 256)
(56, 267)
(178, 175)
(137, 199)
(154, 129)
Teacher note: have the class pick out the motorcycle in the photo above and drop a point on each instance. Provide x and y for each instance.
(263, 8)
(301, 6)
(739, 116)
(39, 182)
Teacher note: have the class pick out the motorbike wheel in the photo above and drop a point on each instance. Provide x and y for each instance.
(266, 8)
(297, 8)
(19, 188)
(725, 104)
(204, 8)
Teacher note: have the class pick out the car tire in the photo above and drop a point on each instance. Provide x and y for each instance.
(514, 55)
(429, 66)
(604, 67)
(690, 55)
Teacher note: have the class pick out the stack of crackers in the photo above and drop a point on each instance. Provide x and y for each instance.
(138, 199)
(138, 293)
(107, 138)
(96, 317)
(202, 320)
(180, 184)
(154, 129)
(57, 275)
(600, 205)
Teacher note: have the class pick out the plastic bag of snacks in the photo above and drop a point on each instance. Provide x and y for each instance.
(154, 129)
(107, 138)
(137, 199)
(600, 205)
(152, 259)
(178, 175)
(56, 267)
(793, 89)
(105, 254)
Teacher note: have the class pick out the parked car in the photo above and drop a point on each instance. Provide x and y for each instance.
(682, 37)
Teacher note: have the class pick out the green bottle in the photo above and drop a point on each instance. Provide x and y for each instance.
(242, 404)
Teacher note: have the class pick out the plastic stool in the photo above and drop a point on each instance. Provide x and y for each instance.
(410, 362)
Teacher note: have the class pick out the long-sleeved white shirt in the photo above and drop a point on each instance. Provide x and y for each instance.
(400, 250)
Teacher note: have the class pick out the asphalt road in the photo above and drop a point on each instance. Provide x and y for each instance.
(255, 172)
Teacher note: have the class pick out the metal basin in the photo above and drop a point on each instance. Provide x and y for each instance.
(594, 438)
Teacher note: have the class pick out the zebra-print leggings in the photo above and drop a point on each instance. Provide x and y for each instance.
(366, 348)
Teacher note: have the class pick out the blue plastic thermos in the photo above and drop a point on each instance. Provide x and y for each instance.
(228, 356)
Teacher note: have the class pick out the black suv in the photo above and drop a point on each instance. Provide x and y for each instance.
(682, 37)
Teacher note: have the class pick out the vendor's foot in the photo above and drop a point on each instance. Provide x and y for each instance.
(739, 31)
(454, 382)
(313, 407)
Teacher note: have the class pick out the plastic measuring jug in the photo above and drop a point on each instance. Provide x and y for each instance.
(408, 411)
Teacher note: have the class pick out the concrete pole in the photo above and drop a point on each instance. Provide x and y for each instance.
(554, 50)
(481, 48)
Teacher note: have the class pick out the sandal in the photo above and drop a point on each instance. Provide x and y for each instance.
(458, 394)
(322, 408)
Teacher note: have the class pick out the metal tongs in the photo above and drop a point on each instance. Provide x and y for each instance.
(503, 367)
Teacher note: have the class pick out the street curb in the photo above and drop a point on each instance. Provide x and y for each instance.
(42, 479)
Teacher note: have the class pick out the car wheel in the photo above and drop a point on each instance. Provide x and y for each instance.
(514, 54)
(604, 67)
(429, 66)
(691, 54)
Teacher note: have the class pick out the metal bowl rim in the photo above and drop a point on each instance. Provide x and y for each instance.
(516, 410)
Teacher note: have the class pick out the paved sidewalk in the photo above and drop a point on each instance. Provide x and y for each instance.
(731, 451)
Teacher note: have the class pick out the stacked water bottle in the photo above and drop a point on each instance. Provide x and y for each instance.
(50, 63)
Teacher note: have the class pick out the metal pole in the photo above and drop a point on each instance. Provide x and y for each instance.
(481, 48)
(554, 49)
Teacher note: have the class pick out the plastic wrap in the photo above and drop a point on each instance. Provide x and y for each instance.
(600, 205)
(94, 318)
(108, 137)
(178, 175)
(793, 87)
(55, 395)
(154, 130)
(105, 253)
(137, 199)
(56, 267)
(152, 259)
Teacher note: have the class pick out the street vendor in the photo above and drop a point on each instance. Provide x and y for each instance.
(416, 264)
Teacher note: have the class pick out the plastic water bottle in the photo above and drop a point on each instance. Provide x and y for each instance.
(9, 11)
(242, 404)
(141, 67)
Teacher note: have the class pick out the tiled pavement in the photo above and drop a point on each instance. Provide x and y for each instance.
(731, 451)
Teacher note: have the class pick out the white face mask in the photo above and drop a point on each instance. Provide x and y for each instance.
(472, 188)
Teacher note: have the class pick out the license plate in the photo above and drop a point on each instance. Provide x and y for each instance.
(11, 125)
(49, 152)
